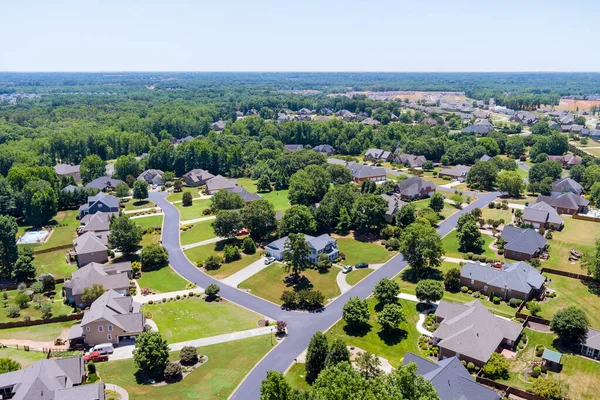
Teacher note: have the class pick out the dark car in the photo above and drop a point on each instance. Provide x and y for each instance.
(361, 265)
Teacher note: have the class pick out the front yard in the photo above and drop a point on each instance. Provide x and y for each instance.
(195, 318)
(58, 308)
(177, 196)
(357, 251)
(279, 198)
(134, 204)
(357, 275)
(201, 253)
(446, 212)
(154, 221)
(577, 234)
(194, 211)
(450, 243)
(269, 283)
(162, 280)
(199, 232)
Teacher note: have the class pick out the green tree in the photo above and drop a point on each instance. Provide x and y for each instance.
(368, 213)
(127, 165)
(41, 202)
(23, 269)
(263, 184)
(496, 367)
(186, 199)
(308, 186)
(468, 235)
(275, 387)
(429, 290)
(356, 312)
(227, 223)
(391, 317)
(298, 219)
(340, 174)
(386, 291)
(591, 175)
(406, 216)
(548, 388)
(368, 365)
(140, 190)
(511, 183)
(404, 383)
(212, 291)
(92, 167)
(551, 169)
(343, 225)
(122, 190)
(570, 324)
(296, 253)
(482, 175)
(339, 382)
(226, 200)
(125, 234)
(491, 146)
(316, 354)
(515, 146)
(259, 218)
(421, 246)
(21, 300)
(338, 352)
(436, 203)
(452, 279)
(9, 252)
(591, 261)
(91, 293)
(8, 365)
(576, 172)
(154, 257)
(151, 353)
(457, 199)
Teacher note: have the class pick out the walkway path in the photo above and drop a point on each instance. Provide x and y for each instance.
(202, 243)
(453, 260)
(122, 392)
(451, 184)
(146, 215)
(193, 199)
(341, 282)
(124, 352)
(193, 221)
(139, 210)
(240, 276)
(159, 296)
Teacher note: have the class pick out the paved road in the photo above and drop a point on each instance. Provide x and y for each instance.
(301, 326)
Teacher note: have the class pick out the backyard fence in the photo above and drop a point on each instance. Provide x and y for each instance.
(51, 249)
(14, 286)
(567, 274)
(62, 318)
(508, 389)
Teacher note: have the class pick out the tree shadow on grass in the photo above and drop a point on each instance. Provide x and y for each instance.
(392, 337)
(140, 203)
(357, 331)
(298, 282)
(593, 287)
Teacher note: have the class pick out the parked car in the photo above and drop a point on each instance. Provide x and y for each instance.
(242, 232)
(103, 348)
(362, 265)
(269, 260)
(575, 253)
(95, 356)
(347, 269)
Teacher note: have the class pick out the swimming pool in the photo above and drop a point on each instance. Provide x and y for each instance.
(33, 237)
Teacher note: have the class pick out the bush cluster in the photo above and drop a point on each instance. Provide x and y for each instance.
(306, 299)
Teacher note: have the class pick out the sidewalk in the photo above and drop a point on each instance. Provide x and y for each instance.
(245, 273)
(202, 243)
(147, 215)
(451, 184)
(118, 389)
(138, 298)
(453, 260)
(193, 221)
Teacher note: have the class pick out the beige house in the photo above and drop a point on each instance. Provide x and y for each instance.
(110, 276)
(110, 319)
(89, 248)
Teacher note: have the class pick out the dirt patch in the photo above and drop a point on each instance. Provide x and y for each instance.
(571, 104)
(538, 327)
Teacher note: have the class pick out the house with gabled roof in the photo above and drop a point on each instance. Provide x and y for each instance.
(98, 223)
(197, 177)
(478, 129)
(590, 345)
(100, 203)
(522, 244)
(63, 170)
(395, 203)
(542, 215)
(566, 203)
(371, 121)
(458, 172)
(219, 183)
(293, 147)
(89, 248)
(104, 183)
(378, 155)
(323, 244)
(152, 176)
(324, 149)
(471, 332)
(244, 194)
(517, 280)
(218, 126)
(110, 276)
(564, 185)
(566, 161)
(411, 160)
(525, 118)
(414, 188)
(361, 172)
(450, 379)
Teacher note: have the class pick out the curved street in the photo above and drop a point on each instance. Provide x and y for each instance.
(301, 325)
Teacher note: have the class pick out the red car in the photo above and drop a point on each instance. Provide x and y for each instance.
(95, 356)
(242, 232)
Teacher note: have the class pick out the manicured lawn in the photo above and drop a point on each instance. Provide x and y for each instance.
(150, 238)
(572, 292)
(446, 212)
(196, 318)
(576, 234)
(390, 346)
(450, 243)
(162, 280)
(428, 176)
(176, 196)
(42, 333)
(228, 363)
(194, 211)
(520, 200)
(200, 231)
(134, 204)
(359, 252)
(496, 214)
(356, 275)
(55, 263)
(269, 283)
(296, 376)
(201, 253)
(155, 221)
(25, 358)
(65, 230)
(278, 198)
(248, 184)
(579, 372)
(58, 308)
(231, 268)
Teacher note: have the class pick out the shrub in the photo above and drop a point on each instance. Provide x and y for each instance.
(13, 311)
(212, 263)
(496, 300)
(477, 294)
(392, 244)
(248, 246)
(21, 300)
(150, 302)
(464, 289)
(231, 253)
(36, 287)
(470, 255)
(496, 367)
(188, 355)
(199, 263)
(470, 367)
(212, 291)
(186, 199)
(46, 310)
(533, 307)
(515, 302)
(172, 371)
(281, 325)
(492, 205)
(289, 298)
(91, 367)
(92, 378)
(470, 291)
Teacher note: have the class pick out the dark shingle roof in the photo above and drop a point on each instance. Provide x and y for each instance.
(526, 241)
(518, 276)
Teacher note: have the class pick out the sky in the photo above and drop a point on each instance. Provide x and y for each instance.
(308, 35)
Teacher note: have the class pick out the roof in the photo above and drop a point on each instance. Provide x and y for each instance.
(485, 157)
(526, 241)
(107, 199)
(89, 243)
(244, 194)
(377, 153)
(71, 188)
(122, 311)
(412, 160)
(566, 185)
(567, 200)
(592, 339)
(96, 222)
(518, 276)
(457, 170)
(151, 176)
(414, 185)
(365, 171)
(324, 148)
(103, 182)
(219, 125)
(551, 355)
(450, 379)
(66, 169)
(394, 203)
(543, 213)
(472, 330)
(110, 276)
(293, 147)
(197, 175)
(317, 243)
(220, 182)
(481, 129)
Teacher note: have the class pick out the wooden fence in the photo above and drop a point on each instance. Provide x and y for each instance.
(585, 218)
(567, 274)
(62, 318)
(508, 389)
(14, 286)
(51, 249)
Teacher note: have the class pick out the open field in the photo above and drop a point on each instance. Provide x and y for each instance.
(576, 234)
(154, 221)
(64, 234)
(196, 318)
(162, 280)
(269, 283)
(199, 232)
(359, 252)
(194, 211)
(496, 214)
(572, 104)
(228, 363)
(279, 198)
(450, 243)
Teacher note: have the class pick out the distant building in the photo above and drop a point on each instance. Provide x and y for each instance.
(361, 173)
(378, 155)
(244, 194)
(197, 177)
(219, 183)
(414, 188)
(411, 160)
(151, 176)
(566, 203)
(293, 147)
(566, 161)
(324, 149)
(218, 126)
(458, 172)
(104, 183)
(564, 185)
(101, 202)
(64, 170)
(395, 204)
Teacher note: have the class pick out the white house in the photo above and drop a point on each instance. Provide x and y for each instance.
(318, 245)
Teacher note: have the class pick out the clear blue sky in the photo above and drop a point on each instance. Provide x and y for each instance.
(309, 35)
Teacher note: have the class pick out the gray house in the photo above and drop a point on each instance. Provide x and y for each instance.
(450, 379)
(379, 155)
(565, 203)
(414, 188)
(63, 170)
(458, 172)
(293, 147)
(103, 183)
(411, 160)
(219, 183)
(244, 194)
(324, 149)
(110, 276)
(394, 205)
(197, 177)
(564, 185)
(152, 176)
(361, 173)
(542, 215)
(101, 202)
(90, 248)
(590, 345)
(522, 244)
(323, 244)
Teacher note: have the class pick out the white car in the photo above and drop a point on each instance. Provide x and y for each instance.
(269, 260)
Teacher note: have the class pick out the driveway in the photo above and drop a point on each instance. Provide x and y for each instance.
(240, 276)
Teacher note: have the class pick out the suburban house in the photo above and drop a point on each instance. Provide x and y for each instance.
(100, 203)
(379, 155)
(104, 183)
(542, 215)
(218, 126)
(566, 161)
(514, 280)
(484, 158)
(186, 139)
(458, 172)
(478, 129)
(324, 149)
(525, 118)
(522, 244)
(98, 223)
(110, 319)
(110, 276)
(414, 188)
(471, 332)
(394, 205)
(197, 177)
(151, 176)
(71, 189)
(567, 119)
(90, 248)
(553, 125)
(450, 379)
(323, 244)
(244, 194)
(51, 379)
(564, 185)
(371, 121)
(63, 170)
(293, 147)
(362, 172)
(219, 182)
(411, 160)
(590, 345)
(566, 203)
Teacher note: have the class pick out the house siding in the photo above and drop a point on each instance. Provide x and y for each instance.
(99, 257)
(498, 291)
(514, 255)
(94, 336)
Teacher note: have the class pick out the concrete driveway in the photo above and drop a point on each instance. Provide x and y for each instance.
(240, 276)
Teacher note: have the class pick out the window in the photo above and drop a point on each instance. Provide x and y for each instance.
(110, 328)
(100, 328)
(109, 336)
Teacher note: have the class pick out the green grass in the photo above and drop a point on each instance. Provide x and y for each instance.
(393, 346)
(62, 235)
(269, 283)
(231, 268)
(356, 275)
(199, 232)
(496, 214)
(278, 198)
(25, 358)
(55, 263)
(296, 376)
(228, 363)
(150, 239)
(162, 280)
(248, 184)
(195, 318)
(154, 221)
(521, 200)
(41, 333)
(178, 195)
(446, 212)
(576, 234)
(134, 204)
(450, 243)
(58, 308)
(201, 253)
(194, 211)
(359, 252)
